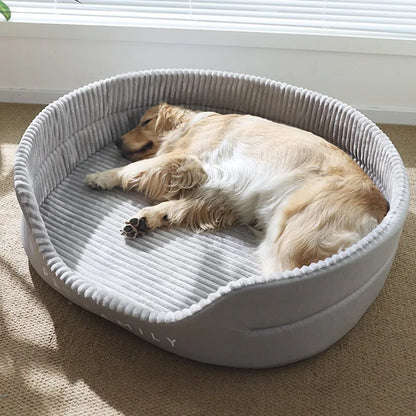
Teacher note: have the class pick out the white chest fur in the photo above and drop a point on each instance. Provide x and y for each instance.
(255, 189)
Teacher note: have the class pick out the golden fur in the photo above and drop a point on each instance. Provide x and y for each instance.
(209, 171)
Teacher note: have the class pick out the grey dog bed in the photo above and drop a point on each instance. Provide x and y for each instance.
(197, 295)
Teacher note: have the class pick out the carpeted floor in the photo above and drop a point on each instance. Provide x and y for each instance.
(57, 359)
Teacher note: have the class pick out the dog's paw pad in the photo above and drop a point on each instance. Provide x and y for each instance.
(135, 227)
(134, 221)
(131, 232)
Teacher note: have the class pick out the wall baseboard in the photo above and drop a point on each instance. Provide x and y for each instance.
(391, 115)
(29, 96)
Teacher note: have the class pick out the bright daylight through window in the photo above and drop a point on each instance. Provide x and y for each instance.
(368, 18)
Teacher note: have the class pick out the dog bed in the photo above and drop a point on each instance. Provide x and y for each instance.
(197, 295)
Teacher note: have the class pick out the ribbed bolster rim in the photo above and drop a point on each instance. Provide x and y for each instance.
(323, 115)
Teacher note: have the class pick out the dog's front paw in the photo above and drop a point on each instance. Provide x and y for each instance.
(101, 180)
(92, 180)
(135, 227)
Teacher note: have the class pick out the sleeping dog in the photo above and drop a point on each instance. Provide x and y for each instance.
(207, 171)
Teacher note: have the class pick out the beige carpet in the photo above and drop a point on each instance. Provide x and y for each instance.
(57, 359)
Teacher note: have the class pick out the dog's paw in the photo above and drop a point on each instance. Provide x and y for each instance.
(100, 180)
(92, 180)
(135, 227)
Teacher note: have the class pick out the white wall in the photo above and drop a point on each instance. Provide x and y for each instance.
(38, 63)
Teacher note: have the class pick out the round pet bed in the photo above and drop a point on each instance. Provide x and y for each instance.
(197, 295)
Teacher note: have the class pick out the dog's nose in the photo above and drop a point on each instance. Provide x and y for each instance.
(119, 142)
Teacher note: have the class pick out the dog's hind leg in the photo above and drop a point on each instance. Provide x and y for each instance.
(318, 221)
(194, 213)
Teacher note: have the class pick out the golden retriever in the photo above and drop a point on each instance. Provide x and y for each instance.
(208, 171)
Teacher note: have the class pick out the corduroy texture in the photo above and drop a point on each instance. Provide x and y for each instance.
(70, 130)
(57, 359)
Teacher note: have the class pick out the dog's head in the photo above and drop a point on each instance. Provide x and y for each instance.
(145, 139)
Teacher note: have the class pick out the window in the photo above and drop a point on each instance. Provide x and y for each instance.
(369, 18)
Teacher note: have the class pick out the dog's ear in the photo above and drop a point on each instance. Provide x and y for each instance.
(169, 117)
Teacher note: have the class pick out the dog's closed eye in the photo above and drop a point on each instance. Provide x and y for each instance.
(146, 122)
